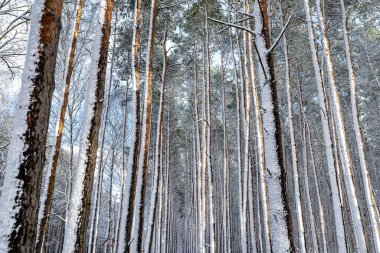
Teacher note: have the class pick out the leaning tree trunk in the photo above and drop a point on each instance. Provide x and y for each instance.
(75, 233)
(48, 190)
(304, 124)
(371, 205)
(26, 154)
(342, 139)
(279, 213)
(331, 162)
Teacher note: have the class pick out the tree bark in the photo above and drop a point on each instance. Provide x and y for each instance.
(342, 139)
(157, 165)
(125, 236)
(327, 136)
(48, 190)
(75, 234)
(368, 192)
(279, 213)
(26, 153)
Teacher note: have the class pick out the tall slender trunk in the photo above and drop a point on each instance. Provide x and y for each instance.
(25, 160)
(99, 184)
(244, 156)
(123, 172)
(166, 223)
(246, 126)
(139, 207)
(108, 240)
(261, 158)
(157, 165)
(161, 198)
(48, 189)
(347, 165)
(295, 166)
(226, 239)
(238, 127)
(371, 205)
(125, 235)
(251, 210)
(199, 159)
(75, 234)
(210, 183)
(304, 125)
(331, 162)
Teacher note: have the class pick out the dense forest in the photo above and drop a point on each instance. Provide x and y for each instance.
(189, 126)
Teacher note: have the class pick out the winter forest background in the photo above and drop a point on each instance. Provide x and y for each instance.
(189, 126)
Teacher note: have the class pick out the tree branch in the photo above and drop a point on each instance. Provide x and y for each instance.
(279, 36)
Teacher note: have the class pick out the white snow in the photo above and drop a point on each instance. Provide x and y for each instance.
(12, 185)
(78, 186)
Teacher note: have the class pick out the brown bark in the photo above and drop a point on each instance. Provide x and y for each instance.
(24, 223)
(94, 130)
(147, 118)
(51, 185)
(278, 133)
(136, 144)
(159, 137)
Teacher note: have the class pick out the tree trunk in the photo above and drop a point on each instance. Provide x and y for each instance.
(48, 189)
(279, 212)
(125, 236)
(368, 192)
(331, 162)
(75, 234)
(26, 153)
(210, 183)
(347, 165)
(295, 166)
(157, 165)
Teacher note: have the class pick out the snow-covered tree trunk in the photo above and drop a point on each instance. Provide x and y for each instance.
(226, 204)
(305, 145)
(210, 181)
(108, 239)
(199, 159)
(138, 212)
(331, 163)
(123, 172)
(48, 188)
(246, 97)
(295, 167)
(160, 204)
(276, 176)
(261, 159)
(251, 211)
(241, 170)
(26, 153)
(166, 221)
(79, 209)
(125, 235)
(346, 160)
(371, 205)
(157, 164)
(99, 185)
